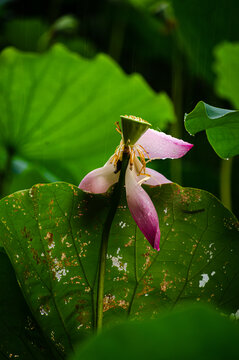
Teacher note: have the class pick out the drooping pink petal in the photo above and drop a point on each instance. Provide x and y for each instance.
(99, 180)
(154, 178)
(142, 209)
(158, 145)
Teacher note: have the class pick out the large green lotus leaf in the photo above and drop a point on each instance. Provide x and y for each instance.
(19, 333)
(59, 108)
(52, 234)
(227, 70)
(52, 229)
(221, 125)
(194, 332)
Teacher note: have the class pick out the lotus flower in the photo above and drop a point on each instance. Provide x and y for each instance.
(140, 143)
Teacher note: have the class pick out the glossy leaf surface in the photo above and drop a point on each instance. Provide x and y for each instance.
(52, 234)
(221, 125)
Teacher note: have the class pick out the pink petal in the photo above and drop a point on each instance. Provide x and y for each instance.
(142, 209)
(99, 180)
(159, 145)
(155, 177)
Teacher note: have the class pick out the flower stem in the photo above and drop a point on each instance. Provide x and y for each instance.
(225, 183)
(104, 242)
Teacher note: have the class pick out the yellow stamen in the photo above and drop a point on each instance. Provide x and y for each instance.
(118, 129)
(146, 152)
(132, 153)
(118, 155)
(142, 158)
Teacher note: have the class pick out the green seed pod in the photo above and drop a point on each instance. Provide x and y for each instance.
(133, 128)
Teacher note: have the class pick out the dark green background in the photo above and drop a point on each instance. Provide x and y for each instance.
(170, 43)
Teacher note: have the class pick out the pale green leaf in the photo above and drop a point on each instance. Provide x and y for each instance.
(58, 109)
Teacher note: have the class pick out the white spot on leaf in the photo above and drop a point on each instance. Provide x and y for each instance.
(116, 262)
(235, 315)
(122, 224)
(44, 311)
(51, 245)
(204, 280)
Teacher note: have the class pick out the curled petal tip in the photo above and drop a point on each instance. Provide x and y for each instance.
(189, 145)
(159, 145)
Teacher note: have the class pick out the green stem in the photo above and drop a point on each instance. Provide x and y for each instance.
(225, 182)
(104, 242)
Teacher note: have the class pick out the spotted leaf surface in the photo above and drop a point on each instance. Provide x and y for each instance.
(197, 261)
(53, 240)
(52, 234)
(19, 333)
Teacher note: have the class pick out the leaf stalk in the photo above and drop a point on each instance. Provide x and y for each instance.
(105, 237)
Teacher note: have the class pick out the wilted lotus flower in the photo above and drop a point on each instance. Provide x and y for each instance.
(140, 143)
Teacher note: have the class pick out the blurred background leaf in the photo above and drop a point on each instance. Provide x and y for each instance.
(227, 69)
(195, 332)
(52, 235)
(59, 109)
